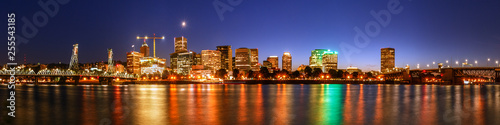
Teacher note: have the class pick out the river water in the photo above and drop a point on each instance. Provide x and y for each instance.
(254, 104)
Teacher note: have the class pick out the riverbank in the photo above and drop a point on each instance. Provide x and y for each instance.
(260, 82)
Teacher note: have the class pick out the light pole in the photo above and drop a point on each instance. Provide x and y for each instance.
(427, 65)
(457, 63)
(488, 63)
(433, 62)
(447, 63)
(496, 63)
(418, 66)
(475, 62)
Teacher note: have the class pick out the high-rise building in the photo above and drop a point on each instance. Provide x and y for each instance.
(145, 49)
(184, 63)
(243, 59)
(226, 57)
(316, 58)
(387, 61)
(286, 62)
(173, 61)
(197, 59)
(233, 63)
(254, 55)
(274, 61)
(180, 44)
(211, 59)
(329, 61)
(266, 64)
(133, 62)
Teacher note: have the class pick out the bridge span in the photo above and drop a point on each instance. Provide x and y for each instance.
(64, 76)
(454, 75)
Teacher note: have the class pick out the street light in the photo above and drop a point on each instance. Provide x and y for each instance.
(427, 65)
(496, 62)
(488, 63)
(475, 62)
(418, 66)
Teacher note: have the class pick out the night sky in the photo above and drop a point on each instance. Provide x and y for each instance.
(424, 31)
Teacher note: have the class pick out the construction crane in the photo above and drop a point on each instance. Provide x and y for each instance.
(154, 41)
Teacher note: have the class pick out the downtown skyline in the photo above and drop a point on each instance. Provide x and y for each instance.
(418, 33)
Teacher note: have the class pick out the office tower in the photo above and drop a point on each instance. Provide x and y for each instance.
(274, 61)
(145, 49)
(226, 57)
(254, 55)
(329, 61)
(316, 58)
(211, 59)
(173, 61)
(387, 61)
(180, 44)
(197, 59)
(266, 64)
(133, 62)
(243, 59)
(286, 62)
(184, 62)
(233, 63)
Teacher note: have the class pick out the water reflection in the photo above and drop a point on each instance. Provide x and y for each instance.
(257, 104)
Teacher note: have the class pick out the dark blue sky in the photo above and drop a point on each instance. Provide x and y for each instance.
(424, 31)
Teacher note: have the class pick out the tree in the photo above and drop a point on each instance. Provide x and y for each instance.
(369, 75)
(250, 74)
(340, 74)
(308, 71)
(236, 73)
(317, 72)
(332, 73)
(296, 74)
(264, 72)
(355, 75)
(221, 73)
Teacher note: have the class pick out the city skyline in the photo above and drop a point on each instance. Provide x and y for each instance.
(471, 36)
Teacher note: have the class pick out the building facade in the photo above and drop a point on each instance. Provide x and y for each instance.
(133, 62)
(180, 44)
(329, 60)
(286, 61)
(316, 59)
(254, 55)
(387, 59)
(274, 61)
(145, 49)
(184, 63)
(226, 57)
(243, 59)
(211, 59)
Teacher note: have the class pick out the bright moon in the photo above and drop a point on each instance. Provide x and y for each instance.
(183, 23)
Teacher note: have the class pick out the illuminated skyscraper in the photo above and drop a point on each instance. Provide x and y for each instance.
(145, 49)
(184, 63)
(197, 59)
(173, 61)
(274, 61)
(286, 62)
(133, 62)
(211, 59)
(243, 59)
(316, 59)
(254, 55)
(329, 61)
(387, 59)
(180, 44)
(226, 57)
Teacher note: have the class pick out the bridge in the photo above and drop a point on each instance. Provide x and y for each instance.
(64, 76)
(455, 75)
